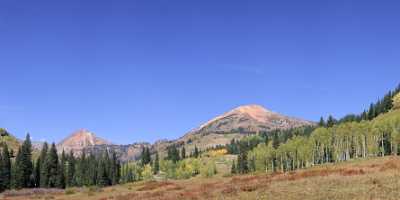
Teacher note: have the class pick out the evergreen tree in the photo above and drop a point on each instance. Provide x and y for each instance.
(371, 112)
(242, 163)
(70, 182)
(91, 176)
(36, 173)
(61, 172)
(53, 166)
(5, 168)
(275, 140)
(145, 157)
(331, 121)
(24, 166)
(196, 152)
(42, 167)
(102, 178)
(173, 154)
(156, 167)
(183, 153)
(18, 171)
(114, 169)
(79, 176)
(321, 122)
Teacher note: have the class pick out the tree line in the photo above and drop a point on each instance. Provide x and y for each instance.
(381, 106)
(51, 170)
(365, 135)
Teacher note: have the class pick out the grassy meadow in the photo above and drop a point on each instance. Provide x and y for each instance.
(377, 178)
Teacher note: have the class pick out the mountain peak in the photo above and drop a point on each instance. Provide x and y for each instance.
(82, 133)
(79, 140)
(251, 108)
(255, 111)
(250, 118)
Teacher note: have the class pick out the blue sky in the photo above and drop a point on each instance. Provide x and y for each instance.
(146, 70)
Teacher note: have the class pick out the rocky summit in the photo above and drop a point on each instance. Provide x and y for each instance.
(250, 119)
(80, 140)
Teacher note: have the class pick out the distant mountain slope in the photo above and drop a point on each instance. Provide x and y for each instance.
(124, 152)
(11, 141)
(250, 119)
(235, 124)
(80, 140)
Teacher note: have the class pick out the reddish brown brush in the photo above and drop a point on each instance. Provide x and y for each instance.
(352, 172)
(154, 185)
(390, 165)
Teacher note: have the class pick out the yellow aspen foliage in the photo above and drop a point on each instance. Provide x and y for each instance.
(396, 102)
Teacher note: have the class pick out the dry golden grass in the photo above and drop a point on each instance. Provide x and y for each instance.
(372, 179)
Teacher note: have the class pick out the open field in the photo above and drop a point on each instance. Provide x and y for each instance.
(377, 178)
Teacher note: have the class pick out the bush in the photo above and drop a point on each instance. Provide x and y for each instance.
(147, 172)
(69, 191)
(93, 189)
(208, 170)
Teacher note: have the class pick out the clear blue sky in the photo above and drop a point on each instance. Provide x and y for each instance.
(146, 70)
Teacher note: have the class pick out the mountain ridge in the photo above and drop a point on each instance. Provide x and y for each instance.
(220, 130)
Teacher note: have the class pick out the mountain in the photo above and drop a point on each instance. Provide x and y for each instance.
(79, 140)
(7, 138)
(249, 119)
(124, 152)
(234, 124)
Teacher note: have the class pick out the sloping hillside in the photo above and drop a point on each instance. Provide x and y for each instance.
(11, 141)
(249, 119)
(234, 124)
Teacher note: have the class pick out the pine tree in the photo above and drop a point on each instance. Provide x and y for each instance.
(275, 140)
(322, 122)
(80, 173)
(23, 165)
(371, 112)
(18, 171)
(43, 178)
(145, 157)
(102, 178)
(196, 152)
(70, 182)
(36, 173)
(331, 121)
(5, 169)
(183, 153)
(242, 163)
(61, 172)
(53, 166)
(156, 167)
(173, 154)
(114, 169)
(91, 176)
